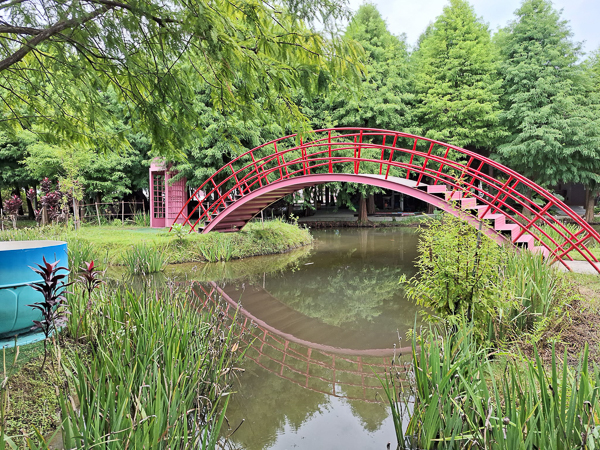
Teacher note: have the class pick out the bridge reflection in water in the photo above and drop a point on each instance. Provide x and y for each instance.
(350, 373)
(319, 328)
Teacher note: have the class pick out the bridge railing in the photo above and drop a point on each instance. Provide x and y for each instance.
(415, 158)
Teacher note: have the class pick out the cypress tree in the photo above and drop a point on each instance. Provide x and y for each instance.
(385, 98)
(549, 106)
(456, 82)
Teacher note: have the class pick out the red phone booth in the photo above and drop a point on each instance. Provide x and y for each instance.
(166, 197)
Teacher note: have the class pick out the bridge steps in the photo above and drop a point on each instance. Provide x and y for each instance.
(513, 231)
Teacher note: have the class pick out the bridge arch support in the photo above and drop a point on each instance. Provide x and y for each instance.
(456, 180)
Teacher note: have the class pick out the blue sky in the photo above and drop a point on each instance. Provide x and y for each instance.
(412, 16)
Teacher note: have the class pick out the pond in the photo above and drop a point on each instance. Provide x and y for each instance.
(321, 329)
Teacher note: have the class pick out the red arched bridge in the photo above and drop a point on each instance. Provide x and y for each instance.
(458, 181)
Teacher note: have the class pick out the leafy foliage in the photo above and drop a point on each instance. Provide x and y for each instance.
(552, 118)
(12, 206)
(89, 280)
(456, 82)
(458, 272)
(56, 67)
(53, 308)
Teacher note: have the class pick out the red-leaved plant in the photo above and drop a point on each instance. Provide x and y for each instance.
(89, 280)
(53, 308)
(11, 208)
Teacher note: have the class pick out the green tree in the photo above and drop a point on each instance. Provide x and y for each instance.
(224, 138)
(384, 98)
(550, 109)
(456, 83)
(57, 59)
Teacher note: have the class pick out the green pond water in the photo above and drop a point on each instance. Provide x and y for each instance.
(327, 320)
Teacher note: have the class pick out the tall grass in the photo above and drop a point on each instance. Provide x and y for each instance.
(141, 219)
(155, 378)
(79, 252)
(219, 247)
(460, 402)
(144, 259)
(571, 227)
(535, 286)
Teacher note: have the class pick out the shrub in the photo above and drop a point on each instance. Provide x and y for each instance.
(457, 272)
(11, 208)
(463, 273)
(179, 231)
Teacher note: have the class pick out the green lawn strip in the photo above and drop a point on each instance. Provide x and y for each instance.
(111, 242)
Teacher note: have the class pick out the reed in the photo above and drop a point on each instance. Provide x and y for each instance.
(534, 285)
(218, 247)
(156, 375)
(461, 402)
(80, 251)
(144, 259)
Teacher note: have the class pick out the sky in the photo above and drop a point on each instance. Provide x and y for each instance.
(412, 16)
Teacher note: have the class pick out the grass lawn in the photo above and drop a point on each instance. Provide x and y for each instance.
(108, 244)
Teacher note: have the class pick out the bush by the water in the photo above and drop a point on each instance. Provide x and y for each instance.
(462, 273)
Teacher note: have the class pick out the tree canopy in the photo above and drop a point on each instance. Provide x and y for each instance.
(548, 106)
(456, 82)
(57, 59)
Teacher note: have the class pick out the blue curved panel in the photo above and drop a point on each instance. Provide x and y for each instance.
(16, 260)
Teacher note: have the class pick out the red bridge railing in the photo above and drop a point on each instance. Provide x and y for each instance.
(398, 155)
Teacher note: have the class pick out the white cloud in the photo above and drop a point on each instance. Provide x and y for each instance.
(413, 16)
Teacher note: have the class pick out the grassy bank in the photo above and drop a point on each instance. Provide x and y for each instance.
(128, 370)
(111, 244)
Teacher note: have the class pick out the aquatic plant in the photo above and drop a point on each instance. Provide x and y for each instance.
(79, 251)
(217, 247)
(460, 401)
(144, 259)
(534, 284)
(163, 368)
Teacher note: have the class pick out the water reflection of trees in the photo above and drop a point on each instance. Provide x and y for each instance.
(352, 277)
(342, 294)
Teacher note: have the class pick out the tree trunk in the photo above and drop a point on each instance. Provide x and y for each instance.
(589, 204)
(76, 223)
(371, 204)
(30, 212)
(44, 220)
(526, 211)
(362, 210)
